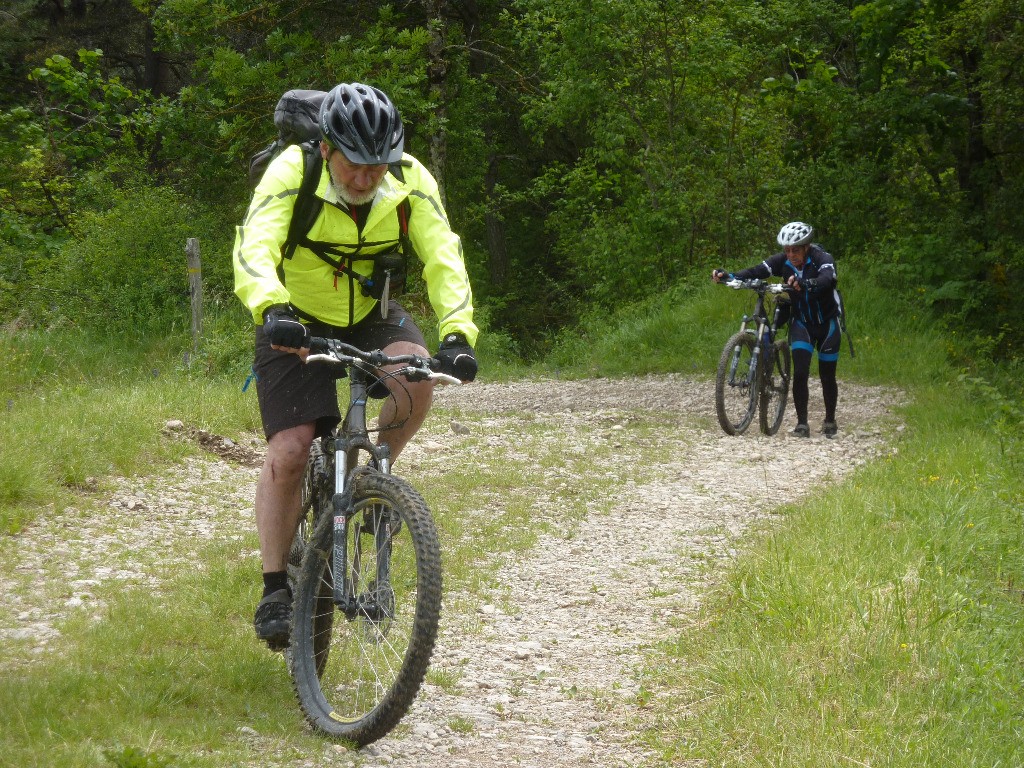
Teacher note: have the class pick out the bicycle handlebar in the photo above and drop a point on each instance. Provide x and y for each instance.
(761, 286)
(417, 367)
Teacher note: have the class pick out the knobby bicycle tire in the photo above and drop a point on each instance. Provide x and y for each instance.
(313, 501)
(356, 678)
(775, 388)
(736, 384)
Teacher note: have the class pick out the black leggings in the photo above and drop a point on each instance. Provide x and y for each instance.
(801, 392)
(803, 341)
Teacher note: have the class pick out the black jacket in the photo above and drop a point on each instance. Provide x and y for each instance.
(816, 304)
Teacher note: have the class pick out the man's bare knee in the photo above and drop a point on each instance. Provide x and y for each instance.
(287, 450)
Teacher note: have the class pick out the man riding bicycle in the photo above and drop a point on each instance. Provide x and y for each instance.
(294, 293)
(811, 273)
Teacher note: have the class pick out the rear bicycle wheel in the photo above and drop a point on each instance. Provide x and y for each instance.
(735, 384)
(311, 503)
(357, 673)
(775, 388)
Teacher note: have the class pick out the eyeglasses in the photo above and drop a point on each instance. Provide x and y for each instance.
(795, 248)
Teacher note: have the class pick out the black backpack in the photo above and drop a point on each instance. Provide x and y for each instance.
(296, 118)
(842, 311)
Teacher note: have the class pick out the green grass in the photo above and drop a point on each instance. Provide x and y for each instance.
(74, 414)
(684, 332)
(880, 624)
(141, 677)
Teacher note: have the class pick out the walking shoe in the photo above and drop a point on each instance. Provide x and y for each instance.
(273, 620)
(801, 430)
(829, 429)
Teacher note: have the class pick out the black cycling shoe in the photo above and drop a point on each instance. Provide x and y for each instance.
(273, 620)
(801, 430)
(829, 429)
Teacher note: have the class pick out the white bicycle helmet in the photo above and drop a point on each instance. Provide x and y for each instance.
(795, 233)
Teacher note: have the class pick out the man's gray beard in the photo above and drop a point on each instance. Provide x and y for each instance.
(344, 195)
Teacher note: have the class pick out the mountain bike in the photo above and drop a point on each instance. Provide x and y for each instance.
(754, 369)
(365, 565)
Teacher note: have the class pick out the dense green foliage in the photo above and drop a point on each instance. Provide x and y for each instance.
(590, 154)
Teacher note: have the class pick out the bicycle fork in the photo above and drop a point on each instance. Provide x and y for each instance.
(750, 380)
(348, 571)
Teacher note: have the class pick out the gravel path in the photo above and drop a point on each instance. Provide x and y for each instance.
(542, 671)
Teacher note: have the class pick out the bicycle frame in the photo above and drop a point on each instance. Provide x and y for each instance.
(759, 317)
(345, 443)
(764, 326)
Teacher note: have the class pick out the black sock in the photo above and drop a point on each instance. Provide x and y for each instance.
(273, 581)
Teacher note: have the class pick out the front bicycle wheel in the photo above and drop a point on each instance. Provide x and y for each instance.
(357, 673)
(735, 390)
(775, 388)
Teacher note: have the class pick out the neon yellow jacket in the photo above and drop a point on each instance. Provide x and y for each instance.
(311, 285)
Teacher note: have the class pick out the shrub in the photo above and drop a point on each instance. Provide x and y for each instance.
(126, 271)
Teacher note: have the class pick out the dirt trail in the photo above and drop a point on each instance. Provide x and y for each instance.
(550, 678)
(541, 672)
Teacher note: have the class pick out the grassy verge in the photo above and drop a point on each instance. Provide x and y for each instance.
(78, 410)
(684, 332)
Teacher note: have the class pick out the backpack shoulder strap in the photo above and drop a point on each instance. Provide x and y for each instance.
(307, 204)
(404, 208)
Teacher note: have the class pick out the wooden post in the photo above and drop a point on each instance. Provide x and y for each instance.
(195, 290)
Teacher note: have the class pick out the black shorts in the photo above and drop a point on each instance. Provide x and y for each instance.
(292, 393)
(827, 339)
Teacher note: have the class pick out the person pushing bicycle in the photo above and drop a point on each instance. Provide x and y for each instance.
(810, 271)
(295, 293)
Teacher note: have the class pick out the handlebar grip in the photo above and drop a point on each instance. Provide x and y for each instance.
(318, 345)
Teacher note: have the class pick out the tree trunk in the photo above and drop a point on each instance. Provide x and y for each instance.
(437, 75)
(154, 65)
(975, 153)
(498, 265)
(497, 252)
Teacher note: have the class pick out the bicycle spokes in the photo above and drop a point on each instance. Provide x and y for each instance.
(378, 638)
(735, 390)
(743, 379)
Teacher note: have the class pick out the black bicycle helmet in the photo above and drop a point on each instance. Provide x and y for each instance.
(795, 233)
(363, 123)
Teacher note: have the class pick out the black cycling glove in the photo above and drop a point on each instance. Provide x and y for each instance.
(457, 357)
(283, 328)
(809, 284)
